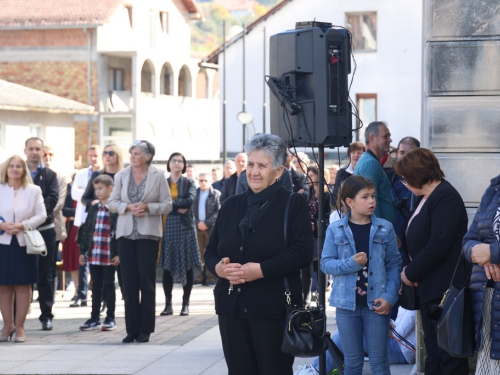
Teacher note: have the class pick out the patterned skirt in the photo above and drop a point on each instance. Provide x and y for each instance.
(179, 249)
(486, 365)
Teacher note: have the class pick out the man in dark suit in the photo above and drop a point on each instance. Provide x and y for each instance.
(229, 188)
(218, 182)
(46, 179)
(206, 208)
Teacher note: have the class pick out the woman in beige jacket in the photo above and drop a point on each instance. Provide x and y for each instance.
(21, 207)
(140, 196)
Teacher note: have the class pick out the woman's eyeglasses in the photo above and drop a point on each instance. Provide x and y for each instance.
(109, 153)
(177, 161)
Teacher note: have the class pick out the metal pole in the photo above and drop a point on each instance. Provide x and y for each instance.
(89, 83)
(224, 151)
(321, 239)
(244, 99)
(264, 87)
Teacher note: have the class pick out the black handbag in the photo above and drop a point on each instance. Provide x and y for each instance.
(455, 330)
(408, 298)
(305, 328)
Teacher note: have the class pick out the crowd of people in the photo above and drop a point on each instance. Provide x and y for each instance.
(389, 217)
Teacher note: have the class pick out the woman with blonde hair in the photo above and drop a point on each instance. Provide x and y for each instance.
(21, 207)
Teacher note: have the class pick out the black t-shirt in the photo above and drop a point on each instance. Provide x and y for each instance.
(361, 235)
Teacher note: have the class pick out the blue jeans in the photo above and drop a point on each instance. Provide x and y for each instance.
(395, 354)
(353, 326)
(83, 281)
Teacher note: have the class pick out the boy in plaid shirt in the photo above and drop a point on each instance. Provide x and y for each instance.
(96, 239)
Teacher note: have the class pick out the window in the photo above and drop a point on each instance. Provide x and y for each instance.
(164, 22)
(128, 9)
(36, 131)
(167, 80)
(147, 77)
(363, 27)
(184, 82)
(115, 79)
(367, 108)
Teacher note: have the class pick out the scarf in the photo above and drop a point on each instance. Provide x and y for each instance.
(256, 202)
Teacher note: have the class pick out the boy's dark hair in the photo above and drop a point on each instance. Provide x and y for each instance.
(352, 186)
(104, 179)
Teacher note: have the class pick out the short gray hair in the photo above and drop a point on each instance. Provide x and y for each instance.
(372, 129)
(273, 145)
(146, 147)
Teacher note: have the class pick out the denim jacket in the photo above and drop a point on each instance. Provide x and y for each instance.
(384, 266)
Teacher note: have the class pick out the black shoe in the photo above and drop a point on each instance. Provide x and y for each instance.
(77, 304)
(143, 337)
(168, 310)
(47, 325)
(185, 310)
(131, 337)
(75, 297)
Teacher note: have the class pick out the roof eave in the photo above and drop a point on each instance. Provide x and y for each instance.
(49, 110)
(90, 26)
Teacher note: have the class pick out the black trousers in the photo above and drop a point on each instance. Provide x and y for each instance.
(103, 286)
(138, 269)
(46, 270)
(168, 285)
(253, 346)
(438, 361)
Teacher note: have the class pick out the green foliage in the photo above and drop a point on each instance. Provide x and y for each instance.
(206, 36)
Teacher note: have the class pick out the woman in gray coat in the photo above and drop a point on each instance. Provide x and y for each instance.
(140, 196)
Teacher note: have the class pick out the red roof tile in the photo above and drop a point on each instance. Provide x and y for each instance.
(55, 13)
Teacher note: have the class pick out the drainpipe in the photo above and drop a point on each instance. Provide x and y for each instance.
(89, 81)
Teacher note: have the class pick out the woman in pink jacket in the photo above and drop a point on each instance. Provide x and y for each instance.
(21, 207)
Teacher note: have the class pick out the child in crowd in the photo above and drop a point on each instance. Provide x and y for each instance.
(96, 239)
(361, 253)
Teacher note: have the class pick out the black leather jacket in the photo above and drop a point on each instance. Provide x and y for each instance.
(186, 195)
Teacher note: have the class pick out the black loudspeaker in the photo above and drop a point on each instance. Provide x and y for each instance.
(308, 70)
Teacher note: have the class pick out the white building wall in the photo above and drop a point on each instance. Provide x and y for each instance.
(393, 72)
(57, 131)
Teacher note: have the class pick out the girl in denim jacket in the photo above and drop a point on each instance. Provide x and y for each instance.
(361, 254)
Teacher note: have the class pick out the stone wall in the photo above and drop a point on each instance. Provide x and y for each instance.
(461, 92)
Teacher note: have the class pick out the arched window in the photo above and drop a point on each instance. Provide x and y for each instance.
(202, 84)
(185, 82)
(148, 77)
(167, 80)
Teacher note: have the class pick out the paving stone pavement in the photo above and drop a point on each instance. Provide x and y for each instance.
(180, 344)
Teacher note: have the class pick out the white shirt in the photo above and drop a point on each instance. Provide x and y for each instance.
(405, 326)
(82, 178)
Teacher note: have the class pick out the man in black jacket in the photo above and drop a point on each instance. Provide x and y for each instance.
(230, 183)
(46, 179)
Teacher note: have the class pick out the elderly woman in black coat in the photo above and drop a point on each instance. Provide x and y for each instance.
(481, 246)
(247, 252)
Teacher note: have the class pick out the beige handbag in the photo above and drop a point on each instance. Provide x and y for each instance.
(35, 244)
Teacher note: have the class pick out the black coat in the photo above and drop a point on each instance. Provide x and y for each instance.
(262, 298)
(186, 190)
(46, 179)
(434, 242)
(299, 182)
(481, 231)
(229, 188)
(212, 206)
(86, 232)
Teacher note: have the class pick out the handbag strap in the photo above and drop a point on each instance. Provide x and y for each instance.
(453, 278)
(285, 235)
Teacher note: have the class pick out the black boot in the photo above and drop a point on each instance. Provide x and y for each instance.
(185, 309)
(168, 309)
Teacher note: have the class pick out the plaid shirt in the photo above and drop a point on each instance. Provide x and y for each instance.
(100, 255)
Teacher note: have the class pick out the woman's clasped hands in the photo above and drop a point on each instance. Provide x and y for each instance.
(238, 273)
(12, 228)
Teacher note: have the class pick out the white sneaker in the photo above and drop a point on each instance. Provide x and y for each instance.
(306, 370)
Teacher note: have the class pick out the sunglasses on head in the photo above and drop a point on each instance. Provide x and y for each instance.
(110, 153)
